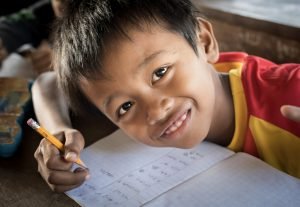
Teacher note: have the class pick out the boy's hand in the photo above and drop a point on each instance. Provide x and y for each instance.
(55, 168)
(291, 112)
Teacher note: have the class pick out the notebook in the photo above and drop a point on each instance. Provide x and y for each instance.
(127, 173)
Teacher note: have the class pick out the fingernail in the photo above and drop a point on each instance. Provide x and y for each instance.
(71, 156)
(87, 177)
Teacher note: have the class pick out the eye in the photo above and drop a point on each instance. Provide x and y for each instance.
(159, 73)
(124, 108)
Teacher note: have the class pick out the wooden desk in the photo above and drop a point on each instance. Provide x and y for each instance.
(269, 29)
(20, 183)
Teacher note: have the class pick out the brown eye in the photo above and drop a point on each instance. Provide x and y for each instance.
(158, 74)
(125, 107)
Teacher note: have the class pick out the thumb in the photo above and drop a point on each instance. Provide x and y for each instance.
(74, 143)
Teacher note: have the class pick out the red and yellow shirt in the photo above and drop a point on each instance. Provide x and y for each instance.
(259, 89)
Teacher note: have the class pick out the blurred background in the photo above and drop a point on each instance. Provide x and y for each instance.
(270, 29)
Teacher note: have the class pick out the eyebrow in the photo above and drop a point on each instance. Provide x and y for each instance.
(150, 58)
(146, 61)
(108, 100)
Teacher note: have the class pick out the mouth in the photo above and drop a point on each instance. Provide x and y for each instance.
(176, 126)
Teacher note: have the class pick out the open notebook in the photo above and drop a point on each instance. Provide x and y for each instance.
(126, 173)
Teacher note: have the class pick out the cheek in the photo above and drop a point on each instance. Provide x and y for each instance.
(134, 130)
(138, 133)
(194, 81)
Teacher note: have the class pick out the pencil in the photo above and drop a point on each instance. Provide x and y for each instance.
(52, 139)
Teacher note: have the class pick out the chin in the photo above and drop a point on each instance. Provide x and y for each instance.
(188, 145)
(191, 143)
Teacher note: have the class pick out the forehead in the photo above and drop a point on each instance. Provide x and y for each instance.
(138, 44)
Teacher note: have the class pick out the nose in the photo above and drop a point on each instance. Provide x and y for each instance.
(159, 109)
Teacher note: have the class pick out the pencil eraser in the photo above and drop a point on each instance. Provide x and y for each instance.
(30, 122)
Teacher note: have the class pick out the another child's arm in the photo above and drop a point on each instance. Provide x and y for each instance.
(49, 105)
(291, 112)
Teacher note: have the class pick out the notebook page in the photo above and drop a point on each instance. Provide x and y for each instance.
(241, 180)
(127, 173)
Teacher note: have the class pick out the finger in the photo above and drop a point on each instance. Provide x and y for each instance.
(61, 181)
(291, 112)
(39, 158)
(73, 145)
(52, 157)
(67, 177)
(64, 187)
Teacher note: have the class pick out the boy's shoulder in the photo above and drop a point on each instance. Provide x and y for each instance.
(257, 69)
(251, 65)
(268, 86)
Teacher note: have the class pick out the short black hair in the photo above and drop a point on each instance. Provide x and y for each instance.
(81, 37)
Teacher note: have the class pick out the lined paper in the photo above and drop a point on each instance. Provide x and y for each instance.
(127, 173)
(242, 180)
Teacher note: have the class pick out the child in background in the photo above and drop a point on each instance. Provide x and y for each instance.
(26, 33)
(153, 73)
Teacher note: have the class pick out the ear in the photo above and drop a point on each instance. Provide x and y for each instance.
(207, 40)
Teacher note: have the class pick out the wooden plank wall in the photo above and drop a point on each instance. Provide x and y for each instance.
(270, 29)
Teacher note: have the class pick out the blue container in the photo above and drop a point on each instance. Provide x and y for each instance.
(13, 116)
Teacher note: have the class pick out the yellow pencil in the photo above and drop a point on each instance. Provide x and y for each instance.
(52, 139)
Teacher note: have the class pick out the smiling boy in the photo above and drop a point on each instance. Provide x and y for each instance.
(150, 67)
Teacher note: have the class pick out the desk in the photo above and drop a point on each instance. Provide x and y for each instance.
(269, 29)
(20, 183)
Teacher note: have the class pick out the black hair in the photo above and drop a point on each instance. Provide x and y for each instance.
(82, 36)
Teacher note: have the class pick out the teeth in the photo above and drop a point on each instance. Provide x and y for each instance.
(176, 124)
(183, 117)
(173, 128)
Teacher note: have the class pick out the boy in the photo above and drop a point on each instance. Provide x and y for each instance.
(150, 67)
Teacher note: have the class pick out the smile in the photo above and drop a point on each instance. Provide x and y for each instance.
(177, 124)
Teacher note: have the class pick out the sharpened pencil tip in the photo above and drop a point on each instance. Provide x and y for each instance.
(80, 163)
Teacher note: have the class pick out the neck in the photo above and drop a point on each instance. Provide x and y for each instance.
(223, 125)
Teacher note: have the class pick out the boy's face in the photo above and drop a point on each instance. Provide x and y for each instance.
(158, 91)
